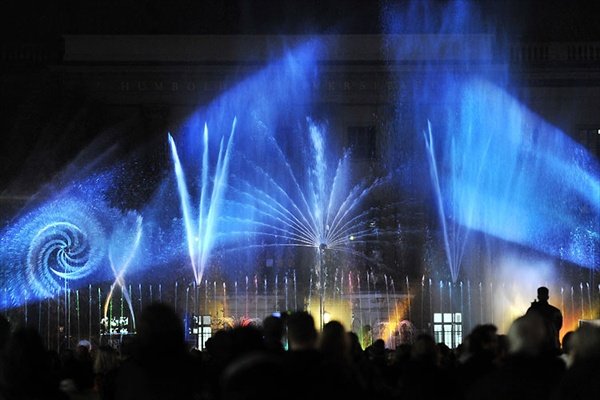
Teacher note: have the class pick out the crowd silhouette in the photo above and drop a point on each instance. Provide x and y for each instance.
(252, 362)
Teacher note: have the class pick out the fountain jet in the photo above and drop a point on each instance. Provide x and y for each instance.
(120, 266)
(200, 227)
(327, 212)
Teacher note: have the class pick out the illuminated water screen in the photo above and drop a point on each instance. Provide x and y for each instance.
(509, 174)
(493, 168)
(259, 170)
(81, 234)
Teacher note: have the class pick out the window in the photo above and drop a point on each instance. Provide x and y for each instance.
(202, 328)
(447, 328)
(362, 142)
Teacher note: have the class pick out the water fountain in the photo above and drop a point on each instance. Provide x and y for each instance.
(322, 210)
(493, 171)
(199, 227)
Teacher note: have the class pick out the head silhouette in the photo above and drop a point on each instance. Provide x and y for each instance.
(543, 293)
(526, 335)
(160, 333)
(334, 341)
(302, 334)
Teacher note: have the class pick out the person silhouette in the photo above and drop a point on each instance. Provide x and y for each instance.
(551, 317)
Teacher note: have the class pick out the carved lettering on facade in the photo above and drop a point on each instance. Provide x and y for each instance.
(330, 86)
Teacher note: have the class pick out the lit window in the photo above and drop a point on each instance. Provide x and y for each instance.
(202, 328)
(447, 328)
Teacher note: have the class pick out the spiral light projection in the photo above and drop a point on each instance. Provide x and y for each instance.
(120, 257)
(200, 226)
(46, 250)
(59, 250)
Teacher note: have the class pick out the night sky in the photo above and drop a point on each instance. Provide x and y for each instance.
(42, 23)
(34, 19)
